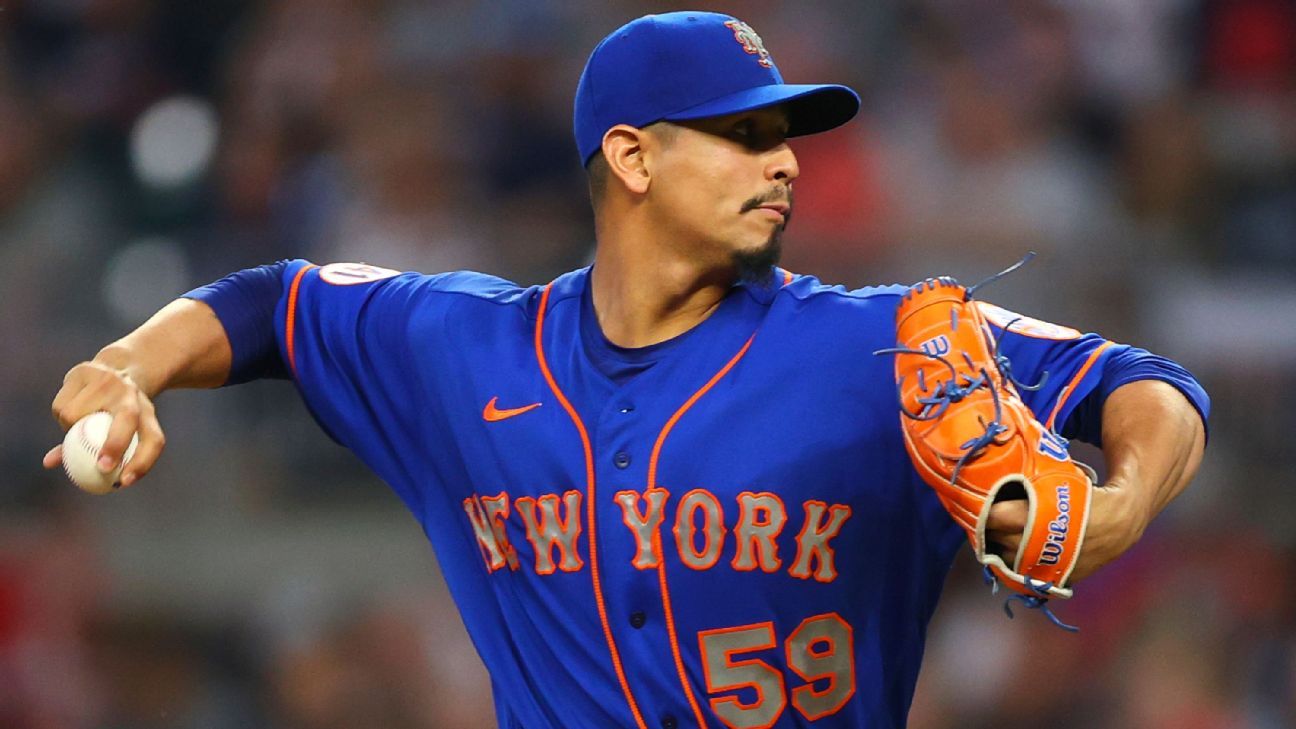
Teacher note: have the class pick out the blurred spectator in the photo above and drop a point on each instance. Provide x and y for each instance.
(52, 584)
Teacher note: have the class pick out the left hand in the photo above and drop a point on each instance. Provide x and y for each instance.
(1113, 528)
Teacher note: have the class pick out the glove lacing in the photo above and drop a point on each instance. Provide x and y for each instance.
(1038, 601)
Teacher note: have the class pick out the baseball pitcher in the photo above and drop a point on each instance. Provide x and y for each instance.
(683, 487)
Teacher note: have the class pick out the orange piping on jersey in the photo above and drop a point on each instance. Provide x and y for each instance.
(1070, 386)
(661, 564)
(290, 324)
(787, 277)
(589, 506)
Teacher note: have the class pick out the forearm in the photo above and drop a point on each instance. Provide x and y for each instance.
(1153, 440)
(183, 345)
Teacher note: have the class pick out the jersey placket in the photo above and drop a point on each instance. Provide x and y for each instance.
(622, 446)
(624, 436)
(591, 496)
(629, 448)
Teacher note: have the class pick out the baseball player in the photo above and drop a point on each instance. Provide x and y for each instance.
(670, 489)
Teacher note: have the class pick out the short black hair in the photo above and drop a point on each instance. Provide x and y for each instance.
(596, 172)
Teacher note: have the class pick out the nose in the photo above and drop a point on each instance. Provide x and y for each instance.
(782, 166)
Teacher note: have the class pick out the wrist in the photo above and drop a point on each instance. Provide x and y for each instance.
(120, 357)
(1133, 513)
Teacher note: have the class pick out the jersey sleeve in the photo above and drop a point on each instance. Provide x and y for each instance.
(244, 302)
(1076, 372)
(344, 333)
(1055, 367)
(1127, 365)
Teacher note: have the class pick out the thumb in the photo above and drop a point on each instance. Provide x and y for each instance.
(54, 457)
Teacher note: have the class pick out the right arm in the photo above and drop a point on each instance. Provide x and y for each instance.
(183, 345)
(341, 332)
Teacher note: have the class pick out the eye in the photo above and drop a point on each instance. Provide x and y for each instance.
(754, 134)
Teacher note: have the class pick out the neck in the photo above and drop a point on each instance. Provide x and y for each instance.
(644, 293)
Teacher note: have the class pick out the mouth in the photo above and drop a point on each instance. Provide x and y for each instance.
(775, 210)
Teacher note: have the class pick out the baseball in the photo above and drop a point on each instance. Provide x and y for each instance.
(81, 449)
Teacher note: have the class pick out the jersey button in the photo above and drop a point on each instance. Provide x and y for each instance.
(637, 619)
(621, 459)
(627, 407)
(668, 722)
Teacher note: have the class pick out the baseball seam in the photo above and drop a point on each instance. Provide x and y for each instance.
(89, 447)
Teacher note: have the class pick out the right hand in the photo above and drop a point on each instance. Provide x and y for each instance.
(93, 386)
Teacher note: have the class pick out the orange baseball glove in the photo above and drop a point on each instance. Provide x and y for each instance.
(975, 442)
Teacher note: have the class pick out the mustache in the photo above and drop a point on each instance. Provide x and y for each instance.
(778, 193)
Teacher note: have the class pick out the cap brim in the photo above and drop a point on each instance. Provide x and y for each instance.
(812, 108)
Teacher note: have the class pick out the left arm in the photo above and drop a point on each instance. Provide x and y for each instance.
(1153, 440)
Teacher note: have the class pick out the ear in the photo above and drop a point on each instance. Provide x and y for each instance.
(623, 148)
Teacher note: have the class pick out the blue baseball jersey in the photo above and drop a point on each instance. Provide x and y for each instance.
(720, 530)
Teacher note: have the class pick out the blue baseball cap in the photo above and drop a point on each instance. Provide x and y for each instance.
(693, 65)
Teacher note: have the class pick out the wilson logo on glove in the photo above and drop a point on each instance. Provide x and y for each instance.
(1054, 445)
(1058, 528)
(936, 346)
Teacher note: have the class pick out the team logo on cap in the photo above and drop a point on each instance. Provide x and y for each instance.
(751, 42)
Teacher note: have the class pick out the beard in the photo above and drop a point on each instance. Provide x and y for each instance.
(757, 266)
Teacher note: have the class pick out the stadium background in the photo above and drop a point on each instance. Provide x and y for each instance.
(261, 578)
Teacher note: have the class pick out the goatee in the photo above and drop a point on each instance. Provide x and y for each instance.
(757, 267)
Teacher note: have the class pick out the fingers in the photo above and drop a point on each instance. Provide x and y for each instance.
(98, 392)
(54, 458)
(151, 443)
(73, 384)
(125, 423)
(1008, 516)
(90, 387)
(1006, 523)
(1004, 544)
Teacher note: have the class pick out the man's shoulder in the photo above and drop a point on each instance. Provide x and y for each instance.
(814, 314)
(366, 279)
(805, 290)
(347, 289)
(481, 286)
(838, 328)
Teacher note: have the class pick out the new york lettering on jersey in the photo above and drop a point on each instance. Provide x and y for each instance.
(717, 541)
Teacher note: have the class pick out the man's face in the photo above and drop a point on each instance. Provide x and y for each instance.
(722, 189)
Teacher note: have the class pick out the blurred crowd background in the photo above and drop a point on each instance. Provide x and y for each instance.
(261, 578)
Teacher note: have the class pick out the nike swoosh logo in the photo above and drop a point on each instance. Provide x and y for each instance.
(493, 414)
